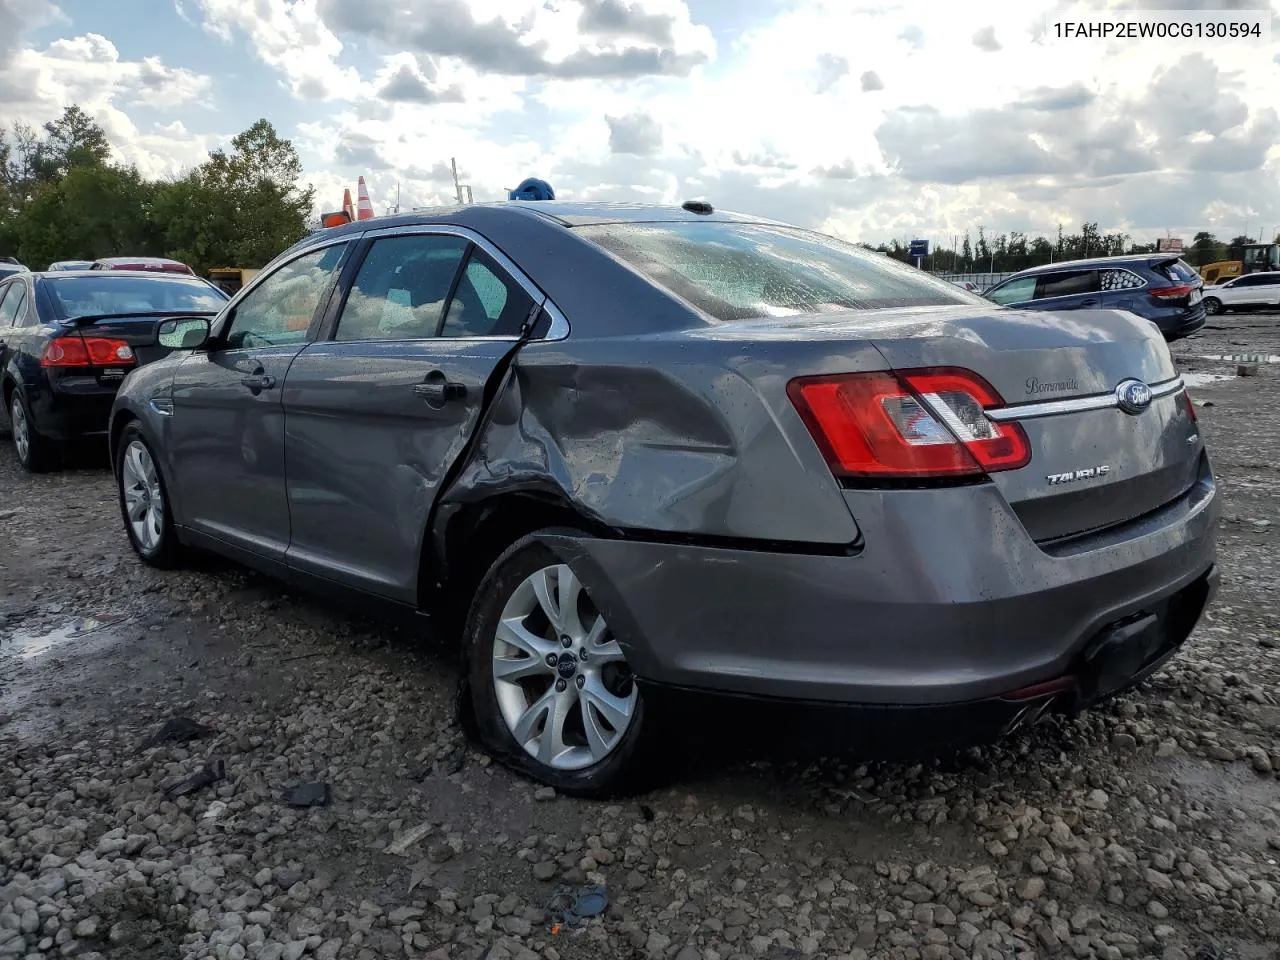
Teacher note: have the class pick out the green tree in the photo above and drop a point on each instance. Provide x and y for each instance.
(73, 140)
(1235, 249)
(92, 212)
(21, 163)
(238, 208)
(1205, 249)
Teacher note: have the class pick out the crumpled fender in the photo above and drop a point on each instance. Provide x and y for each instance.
(686, 448)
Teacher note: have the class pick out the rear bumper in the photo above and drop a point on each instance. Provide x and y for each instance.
(912, 731)
(947, 602)
(1176, 327)
(69, 411)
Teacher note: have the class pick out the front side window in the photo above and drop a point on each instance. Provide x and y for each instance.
(487, 303)
(1015, 291)
(401, 288)
(280, 309)
(1071, 283)
(737, 271)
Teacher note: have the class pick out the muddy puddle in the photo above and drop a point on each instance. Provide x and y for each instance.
(30, 644)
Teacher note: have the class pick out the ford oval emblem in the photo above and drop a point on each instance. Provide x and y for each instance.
(1133, 396)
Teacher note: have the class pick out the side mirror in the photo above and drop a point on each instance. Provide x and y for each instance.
(183, 333)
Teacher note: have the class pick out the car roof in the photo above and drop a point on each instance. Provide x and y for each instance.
(86, 272)
(1119, 261)
(137, 260)
(564, 213)
(121, 274)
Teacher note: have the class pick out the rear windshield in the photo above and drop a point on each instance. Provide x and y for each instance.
(737, 271)
(1181, 270)
(121, 296)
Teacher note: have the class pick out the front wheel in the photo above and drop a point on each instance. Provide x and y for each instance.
(1212, 306)
(144, 502)
(550, 686)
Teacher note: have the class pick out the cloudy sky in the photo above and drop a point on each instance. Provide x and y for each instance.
(874, 120)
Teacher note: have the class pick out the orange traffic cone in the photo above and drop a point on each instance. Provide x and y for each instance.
(364, 209)
(348, 207)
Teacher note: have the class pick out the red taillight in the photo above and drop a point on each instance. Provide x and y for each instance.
(1189, 404)
(87, 352)
(913, 423)
(1171, 293)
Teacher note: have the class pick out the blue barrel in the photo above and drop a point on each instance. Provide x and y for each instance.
(533, 189)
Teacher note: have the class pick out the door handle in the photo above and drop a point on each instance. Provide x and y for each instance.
(1091, 302)
(259, 381)
(436, 389)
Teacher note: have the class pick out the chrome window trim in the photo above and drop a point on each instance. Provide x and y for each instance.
(559, 322)
(1094, 401)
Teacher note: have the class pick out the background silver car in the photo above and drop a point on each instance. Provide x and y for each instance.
(643, 454)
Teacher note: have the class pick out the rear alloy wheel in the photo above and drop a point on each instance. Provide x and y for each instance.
(551, 688)
(144, 503)
(36, 453)
(1212, 306)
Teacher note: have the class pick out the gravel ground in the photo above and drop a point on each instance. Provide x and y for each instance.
(1149, 829)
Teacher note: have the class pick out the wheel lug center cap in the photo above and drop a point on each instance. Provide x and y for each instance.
(566, 666)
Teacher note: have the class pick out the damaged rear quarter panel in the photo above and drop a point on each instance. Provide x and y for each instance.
(670, 434)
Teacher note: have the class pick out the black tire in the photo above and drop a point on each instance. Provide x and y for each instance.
(167, 552)
(1213, 306)
(625, 770)
(36, 452)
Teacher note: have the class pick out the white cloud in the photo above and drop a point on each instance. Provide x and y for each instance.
(88, 70)
(289, 36)
(872, 118)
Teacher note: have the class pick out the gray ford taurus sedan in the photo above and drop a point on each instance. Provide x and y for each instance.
(639, 453)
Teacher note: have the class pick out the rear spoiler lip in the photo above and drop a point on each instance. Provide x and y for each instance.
(89, 319)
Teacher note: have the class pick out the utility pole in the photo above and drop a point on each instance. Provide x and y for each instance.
(397, 196)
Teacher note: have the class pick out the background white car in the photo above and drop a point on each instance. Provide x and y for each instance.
(1254, 290)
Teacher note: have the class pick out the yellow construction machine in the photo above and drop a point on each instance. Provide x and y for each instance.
(232, 279)
(1258, 257)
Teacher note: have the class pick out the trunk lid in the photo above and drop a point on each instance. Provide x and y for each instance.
(1092, 464)
(138, 330)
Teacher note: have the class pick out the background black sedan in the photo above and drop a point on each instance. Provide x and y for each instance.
(67, 339)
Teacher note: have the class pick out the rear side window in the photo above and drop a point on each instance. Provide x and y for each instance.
(1118, 279)
(488, 303)
(401, 288)
(11, 307)
(7, 301)
(736, 271)
(1067, 284)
